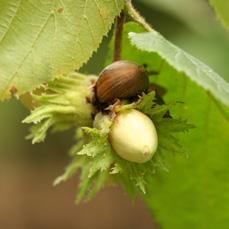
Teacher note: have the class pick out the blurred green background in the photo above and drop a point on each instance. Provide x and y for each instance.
(27, 198)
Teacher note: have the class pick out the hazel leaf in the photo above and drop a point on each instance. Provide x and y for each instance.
(193, 68)
(40, 40)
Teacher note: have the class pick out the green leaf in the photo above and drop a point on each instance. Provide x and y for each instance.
(222, 10)
(166, 127)
(194, 69)
(40, 40)
(195, 193)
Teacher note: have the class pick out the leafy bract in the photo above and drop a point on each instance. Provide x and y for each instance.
(222, 8)
(197, 71)
(64, 102)
(40, 40)
(194, 194)
(94, 159)
(98, 162)
(63, 105)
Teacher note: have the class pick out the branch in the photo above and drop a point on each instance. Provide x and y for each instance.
(118, 37)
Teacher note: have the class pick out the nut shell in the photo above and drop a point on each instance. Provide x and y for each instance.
(121, 79)
(133, 136)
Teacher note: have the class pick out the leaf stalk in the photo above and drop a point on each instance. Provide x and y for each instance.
(135, 15)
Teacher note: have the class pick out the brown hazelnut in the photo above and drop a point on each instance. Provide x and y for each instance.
(122, 80)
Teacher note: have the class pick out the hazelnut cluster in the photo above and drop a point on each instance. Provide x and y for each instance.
(133, 135)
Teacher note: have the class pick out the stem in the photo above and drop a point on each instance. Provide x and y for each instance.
(118, 37)
(135, 15)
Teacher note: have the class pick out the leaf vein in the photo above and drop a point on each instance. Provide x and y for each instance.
(12, 19)
(26, 55)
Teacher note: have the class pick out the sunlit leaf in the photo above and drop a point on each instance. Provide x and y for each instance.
(42, 39)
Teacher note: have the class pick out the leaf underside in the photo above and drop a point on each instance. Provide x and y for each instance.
(194, 69)
(194, 194)
(40, 40)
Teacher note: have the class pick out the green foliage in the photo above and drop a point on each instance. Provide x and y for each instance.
(95, 160)
(99, 163)
(195, 193)
(40, 40)
(183, 62)
(222, 8)
(61, 105)
(166, 126)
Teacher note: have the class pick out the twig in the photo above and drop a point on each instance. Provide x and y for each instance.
(134, 14)
(118, 37)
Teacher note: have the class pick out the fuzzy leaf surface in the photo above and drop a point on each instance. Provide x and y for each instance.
(40, 40)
